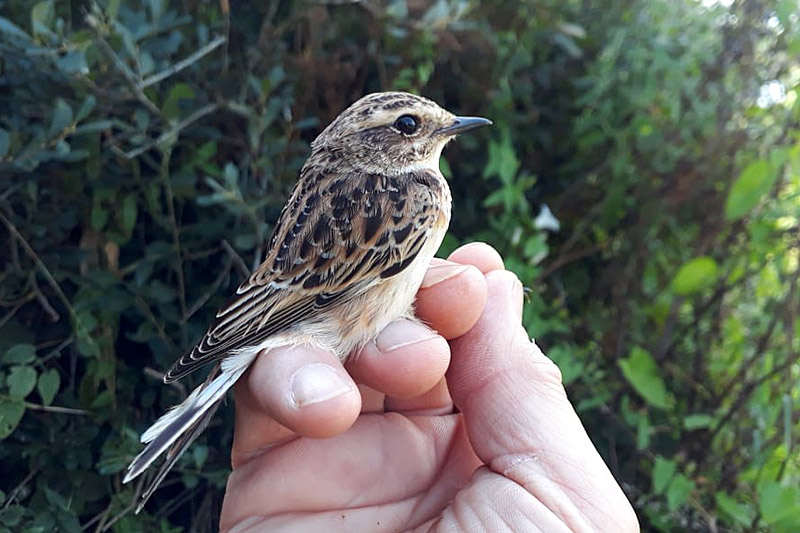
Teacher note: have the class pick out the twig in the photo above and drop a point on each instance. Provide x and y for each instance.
(51, 281)
(126, 72)
(13, 495)
(11, 190)
(178, 501)
(197, 115)
(565, 259)
(746, 388)
(107, 525)
(42, 299)
(182, 64)
(241, 266)
(8, 315)
(148, 313)
(155, 374)
(98, 517)
(207, 294)
(176, 235)
(57, 409)
(55, 351)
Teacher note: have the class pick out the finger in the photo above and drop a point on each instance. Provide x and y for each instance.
(304, 389)
(478, 254)
(406, 360)
(436, 401)
(451, 297)
(521, 423)
(371, 400)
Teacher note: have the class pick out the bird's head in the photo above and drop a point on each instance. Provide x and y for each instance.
(391, 133)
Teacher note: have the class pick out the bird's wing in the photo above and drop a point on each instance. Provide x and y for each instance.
(336, 237)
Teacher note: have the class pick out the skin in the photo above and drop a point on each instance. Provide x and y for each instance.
(515, 457)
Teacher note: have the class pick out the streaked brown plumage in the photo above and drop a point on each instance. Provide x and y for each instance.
(346, 258)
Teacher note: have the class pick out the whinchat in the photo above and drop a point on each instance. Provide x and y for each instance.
(346, 257)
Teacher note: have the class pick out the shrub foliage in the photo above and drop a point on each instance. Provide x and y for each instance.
(147, 146)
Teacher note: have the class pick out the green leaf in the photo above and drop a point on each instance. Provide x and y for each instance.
(9, 28)
(11, 412)
(171, 107)
(694, 276)
(692, 422)
(679, 491)
(129, 211)
(756, 181)
(86, 107)
(42, 16)
(104, 399)
(94, 126)
(200, 454)
(739, 512)
(643, 374)
(5, 142)
(21, 380)
(62, 117)
(663, 470)
(99, 217)
(48, 385)
(503, 161)
(112, 9)
(73, 62)
(20, 354)
(444, 168)
(785, 10)
(776, 501)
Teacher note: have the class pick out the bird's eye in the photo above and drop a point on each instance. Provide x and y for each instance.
(407, 124)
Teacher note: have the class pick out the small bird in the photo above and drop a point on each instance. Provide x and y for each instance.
(346, 257)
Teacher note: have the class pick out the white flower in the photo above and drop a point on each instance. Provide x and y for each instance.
(546, 220)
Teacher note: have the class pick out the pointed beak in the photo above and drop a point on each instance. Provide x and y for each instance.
(462, 124)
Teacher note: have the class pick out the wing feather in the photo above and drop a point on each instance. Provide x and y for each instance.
(336, 237)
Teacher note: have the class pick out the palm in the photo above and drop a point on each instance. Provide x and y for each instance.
(515, 459)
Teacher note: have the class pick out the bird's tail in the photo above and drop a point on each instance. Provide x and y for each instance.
(180, 426)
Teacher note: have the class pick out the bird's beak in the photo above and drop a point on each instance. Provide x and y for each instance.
(462, 124)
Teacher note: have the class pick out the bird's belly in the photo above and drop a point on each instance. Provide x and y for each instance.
(350, 325)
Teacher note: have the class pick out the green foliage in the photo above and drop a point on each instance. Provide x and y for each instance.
(698, 274)
(147, 147)
(642, 373)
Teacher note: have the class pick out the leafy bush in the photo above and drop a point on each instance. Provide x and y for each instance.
(146, 148)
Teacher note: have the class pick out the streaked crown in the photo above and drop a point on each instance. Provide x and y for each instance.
(391, 132)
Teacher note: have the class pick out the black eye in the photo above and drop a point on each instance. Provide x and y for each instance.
(407, 124)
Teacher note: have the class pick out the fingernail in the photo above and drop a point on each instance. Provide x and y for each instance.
(512, 292)
(317, 383)
(472, 245)
(401, 334)
(439, 273)
(518, 297)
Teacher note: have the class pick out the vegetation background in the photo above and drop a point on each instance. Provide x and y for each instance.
(146, 147)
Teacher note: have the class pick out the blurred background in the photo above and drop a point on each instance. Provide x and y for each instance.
(642, 178)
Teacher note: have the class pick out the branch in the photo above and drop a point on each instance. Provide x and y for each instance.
(207, 294)
(126, 72)
(57, 409)
(50, 280)
(13, 495)
(155, 374)
(197, 115)
(241, 266)
(566, 259)
(182, 64)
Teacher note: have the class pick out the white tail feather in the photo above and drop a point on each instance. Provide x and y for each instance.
(183, 417)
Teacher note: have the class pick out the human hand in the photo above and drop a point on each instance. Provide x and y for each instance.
(515, 458)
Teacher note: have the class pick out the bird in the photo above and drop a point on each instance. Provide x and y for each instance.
(347, 255)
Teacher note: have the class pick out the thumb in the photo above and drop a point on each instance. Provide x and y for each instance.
(519, 420)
